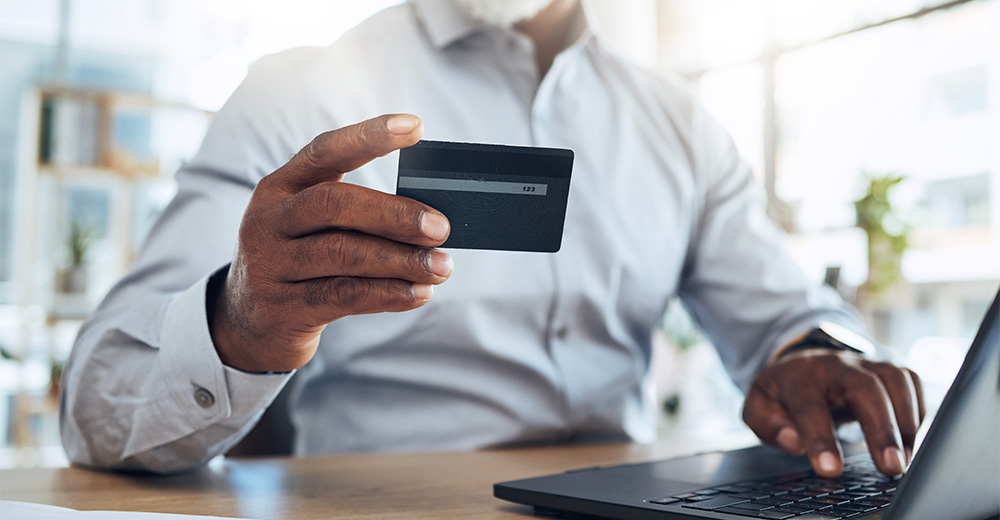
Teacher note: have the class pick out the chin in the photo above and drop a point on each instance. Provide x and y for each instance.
(502, 12)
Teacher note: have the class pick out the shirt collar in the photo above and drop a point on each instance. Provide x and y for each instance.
(446, 23)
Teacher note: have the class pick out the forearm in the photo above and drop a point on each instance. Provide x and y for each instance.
(144, 388)
(742, 285)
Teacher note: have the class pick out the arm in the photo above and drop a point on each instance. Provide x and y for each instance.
(753, 300)
(740, 284)
(129, 398)
(144, 387)
(181, 358)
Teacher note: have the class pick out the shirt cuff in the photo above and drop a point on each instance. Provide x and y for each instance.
(791, 339)
(204, 389)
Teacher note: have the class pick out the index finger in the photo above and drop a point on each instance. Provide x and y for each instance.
(332, 154)
(345, 206)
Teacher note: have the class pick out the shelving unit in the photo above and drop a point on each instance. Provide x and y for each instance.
(103, 162)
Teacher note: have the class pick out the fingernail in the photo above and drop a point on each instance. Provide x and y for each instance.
(401, 124)
(828, 462)
(423, 291)
(893, 460)
(434, 225)
(441, 263)
(789, 440)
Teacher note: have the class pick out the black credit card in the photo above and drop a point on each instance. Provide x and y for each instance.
(510, 198)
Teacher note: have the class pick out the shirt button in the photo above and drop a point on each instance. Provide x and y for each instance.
(562, 332)
(203, 397)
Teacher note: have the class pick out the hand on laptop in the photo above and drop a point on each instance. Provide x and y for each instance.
(312, 249)
(795, 402)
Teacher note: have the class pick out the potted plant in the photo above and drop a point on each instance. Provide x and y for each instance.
(888, 233)
(73, 278)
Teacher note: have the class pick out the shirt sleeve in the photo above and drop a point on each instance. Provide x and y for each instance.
(144, 387)
(741, 284)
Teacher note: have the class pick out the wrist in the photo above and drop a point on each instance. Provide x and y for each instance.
(219, 326)
(237, 345)
(830, 337)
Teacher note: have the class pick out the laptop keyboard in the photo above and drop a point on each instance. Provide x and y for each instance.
(859, 492)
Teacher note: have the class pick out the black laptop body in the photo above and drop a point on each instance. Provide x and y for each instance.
(955, 473)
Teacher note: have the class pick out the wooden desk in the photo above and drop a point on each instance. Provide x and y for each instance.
(436, 486)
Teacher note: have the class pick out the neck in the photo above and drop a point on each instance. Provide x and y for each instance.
(552, 30)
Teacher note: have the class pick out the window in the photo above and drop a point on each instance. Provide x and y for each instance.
(820, 96)
(960, 203)
(956, 93)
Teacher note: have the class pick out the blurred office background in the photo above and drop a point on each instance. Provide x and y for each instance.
(872, 126)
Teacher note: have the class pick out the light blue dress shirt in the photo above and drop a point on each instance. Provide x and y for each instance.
(515, 347)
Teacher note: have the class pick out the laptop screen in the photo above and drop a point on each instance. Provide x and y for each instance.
(956, 472)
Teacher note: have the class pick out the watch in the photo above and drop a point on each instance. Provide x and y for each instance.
(832, 336)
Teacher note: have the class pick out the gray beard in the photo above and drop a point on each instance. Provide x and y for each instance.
(503, 13)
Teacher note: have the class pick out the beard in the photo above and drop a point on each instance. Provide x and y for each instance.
(503, 13)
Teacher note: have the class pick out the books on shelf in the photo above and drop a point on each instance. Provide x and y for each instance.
(70, 131)
(103, 131)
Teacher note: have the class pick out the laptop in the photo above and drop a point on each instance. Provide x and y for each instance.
(954, 475)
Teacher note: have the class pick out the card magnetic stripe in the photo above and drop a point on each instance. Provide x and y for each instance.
(487, 159)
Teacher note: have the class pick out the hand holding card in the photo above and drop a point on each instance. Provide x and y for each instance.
(312, 249)
(499, 197)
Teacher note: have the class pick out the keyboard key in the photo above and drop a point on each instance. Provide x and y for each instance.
(774, 501)
(764, 491)
(857, 494)
(707, 492)
(664, 501)
(748, 496)
(789, 510)
(756, 514)
(734, 511)
(715, 502)
(844, 513)
(817, 516)
(830, 499)
(792, 476)
(734, 489)
(815, 505)
(753, 506)
(856, 507)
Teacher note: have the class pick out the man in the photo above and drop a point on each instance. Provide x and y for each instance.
(283, 249)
